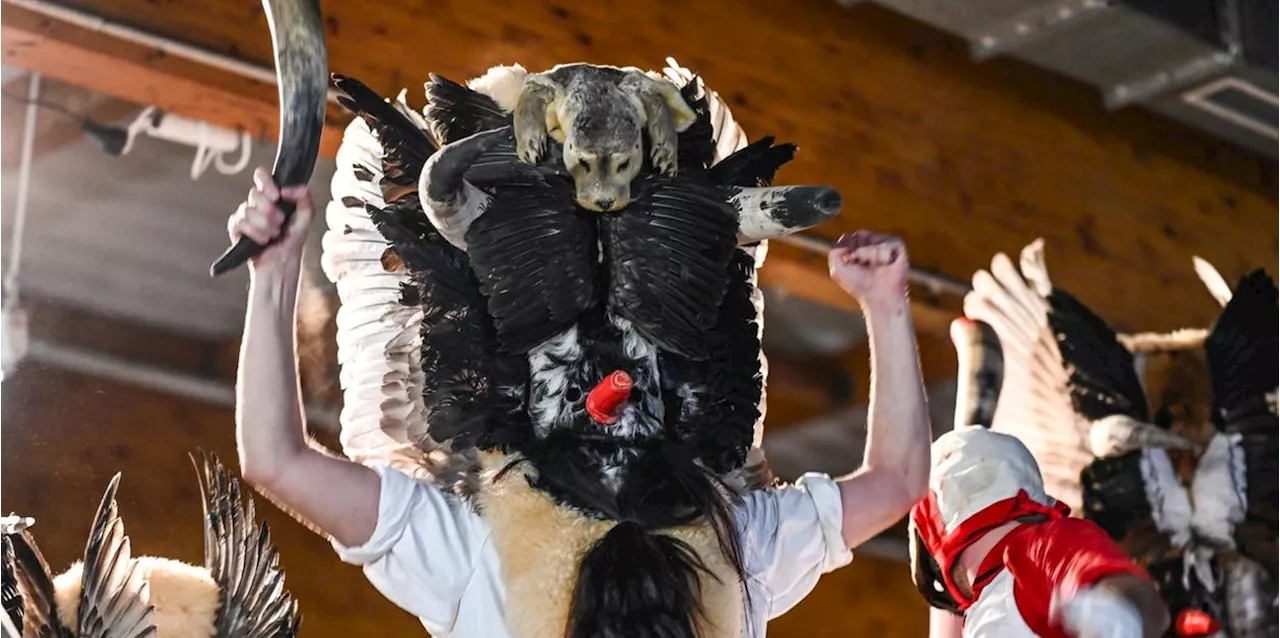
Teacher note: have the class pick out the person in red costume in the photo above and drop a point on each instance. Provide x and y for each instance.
(989, 544)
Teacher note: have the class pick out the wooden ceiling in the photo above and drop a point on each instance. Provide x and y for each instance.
(964, 160)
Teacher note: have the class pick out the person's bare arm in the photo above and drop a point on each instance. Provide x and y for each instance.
(895, 467)
(944, 624)
(337, 496)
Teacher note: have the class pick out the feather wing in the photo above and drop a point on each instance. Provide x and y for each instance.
(405, 146)
(724, 388)
(473, 393)
(729, 136)
(243, 561)
(533, 250)
(729, 139)
(1104, 381)
(668, 256)
(115, 599)
(32, 579)
(1035, 399)
(379, 338)
(422, 378)
(755, 165)
(10, 592)
(456, 112)
(1241, 350)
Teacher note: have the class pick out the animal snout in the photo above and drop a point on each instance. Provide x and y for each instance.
(602, 203)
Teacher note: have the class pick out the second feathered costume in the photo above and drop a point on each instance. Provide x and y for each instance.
(1167, 441)
(549, 305)
(239, 592)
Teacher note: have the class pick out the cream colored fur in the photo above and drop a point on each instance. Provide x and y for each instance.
(503, 84)
(1149, 342)
(541, 544)
(185, 597)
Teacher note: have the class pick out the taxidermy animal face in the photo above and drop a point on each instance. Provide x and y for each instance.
(600, 115)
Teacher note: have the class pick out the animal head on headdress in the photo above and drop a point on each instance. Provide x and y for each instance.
(600, 116)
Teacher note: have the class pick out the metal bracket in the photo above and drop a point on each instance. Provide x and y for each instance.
(1194, 70)
(1199, 98)
(1012, 34)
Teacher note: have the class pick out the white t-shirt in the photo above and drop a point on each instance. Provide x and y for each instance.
(431, 554)
(995, 614)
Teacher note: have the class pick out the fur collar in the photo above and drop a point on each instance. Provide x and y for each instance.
(540, 545)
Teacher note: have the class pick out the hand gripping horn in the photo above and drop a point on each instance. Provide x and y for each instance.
(302, 74)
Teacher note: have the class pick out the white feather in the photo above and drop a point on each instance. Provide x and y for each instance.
(1218, 490)
(503, 84)
(1035, 401)
(377, 337)
(1170, 505)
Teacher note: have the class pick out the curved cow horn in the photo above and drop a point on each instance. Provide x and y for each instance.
(980, 373)
(302, 75)
(774, 211)
(450, 201)
(1119, 434)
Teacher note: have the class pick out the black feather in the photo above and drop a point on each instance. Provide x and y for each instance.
(10, 594)
(668, 256)
(696, 145)
(405, 147)
(114, 600)
(31, 578)
(534, 253)
(473, 393)
(754, 165)
(1242, 351)
(1103, 379)
(242, 560)
(456, 112)
(714, 403)
(1115, 497)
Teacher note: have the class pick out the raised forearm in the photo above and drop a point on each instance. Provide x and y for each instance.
(269, 424)
(898, 433)
(336, 495)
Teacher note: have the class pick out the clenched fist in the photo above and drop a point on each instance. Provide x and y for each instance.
(871, 267)
(260, 219)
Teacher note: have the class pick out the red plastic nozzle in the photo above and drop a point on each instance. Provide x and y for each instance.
(606, 400)
(1192, 623)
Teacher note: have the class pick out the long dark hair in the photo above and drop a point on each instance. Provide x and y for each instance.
(637, 582)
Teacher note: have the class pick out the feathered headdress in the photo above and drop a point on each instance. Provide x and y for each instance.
(491, 329)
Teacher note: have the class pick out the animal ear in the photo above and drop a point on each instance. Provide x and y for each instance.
(666, 115)
(533, 118)
(682, 114)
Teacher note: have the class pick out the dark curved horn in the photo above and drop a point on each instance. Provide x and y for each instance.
(302, 75)
(764, 213)
(980, 374)
(451, 202)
